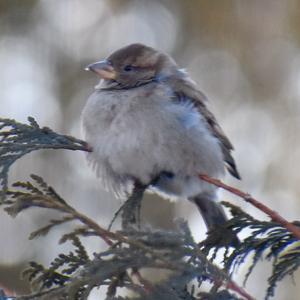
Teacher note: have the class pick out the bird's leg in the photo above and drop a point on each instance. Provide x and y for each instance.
(132, 207)
(117, 213)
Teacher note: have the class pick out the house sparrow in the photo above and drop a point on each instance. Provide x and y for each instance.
(148, 123)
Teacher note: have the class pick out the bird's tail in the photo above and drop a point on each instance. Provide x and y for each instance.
(214, 217)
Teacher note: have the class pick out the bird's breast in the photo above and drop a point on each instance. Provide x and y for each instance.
(142, 132)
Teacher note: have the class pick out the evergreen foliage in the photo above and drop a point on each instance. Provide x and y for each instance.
(129, 251)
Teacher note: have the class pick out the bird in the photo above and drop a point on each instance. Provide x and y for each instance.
(148, 124)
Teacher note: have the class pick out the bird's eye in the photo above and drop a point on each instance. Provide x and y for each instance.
(128, 68)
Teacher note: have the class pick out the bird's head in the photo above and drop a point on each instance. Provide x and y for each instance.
(133, 66)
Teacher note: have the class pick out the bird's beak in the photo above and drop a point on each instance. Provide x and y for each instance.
(102, 68)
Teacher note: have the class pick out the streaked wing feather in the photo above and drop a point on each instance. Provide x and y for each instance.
(185, 88)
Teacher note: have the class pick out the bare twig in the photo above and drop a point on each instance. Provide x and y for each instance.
(231, 285)
(248, 198)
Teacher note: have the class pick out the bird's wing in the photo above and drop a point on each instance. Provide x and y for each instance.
(185, 90)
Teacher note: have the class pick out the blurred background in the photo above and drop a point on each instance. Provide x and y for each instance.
(245, 55)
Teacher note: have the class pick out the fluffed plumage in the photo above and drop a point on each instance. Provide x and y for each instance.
(148, 122)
